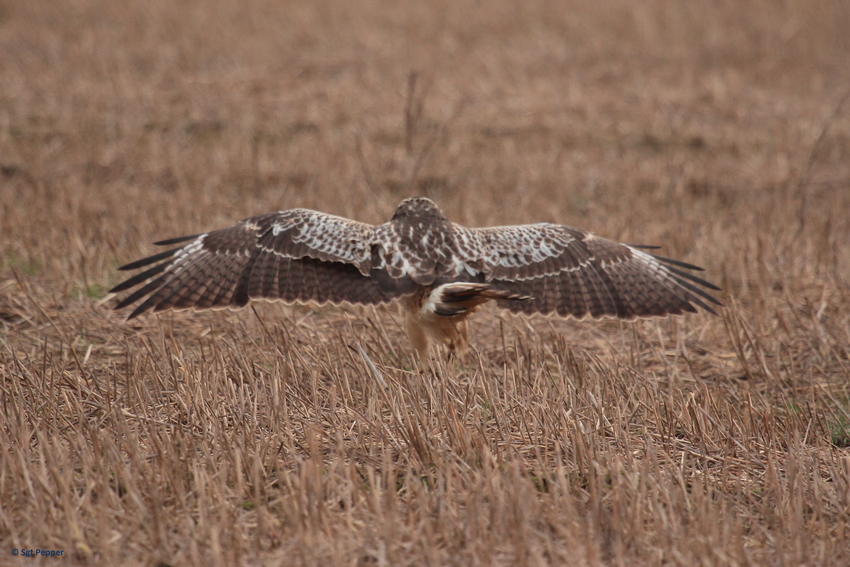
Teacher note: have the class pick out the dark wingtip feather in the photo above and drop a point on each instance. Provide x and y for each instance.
(644, 246)
(701, 293)
(693, 278)
(148, 304)
(150, 260)
(138, 311)
(710, 310)
(139, 278)
(146, 289)
(693, 299)
(677, 263)
(684, 279)
(703, 305)
(177, 240)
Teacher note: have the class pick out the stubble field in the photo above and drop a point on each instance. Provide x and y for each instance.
(290, 435)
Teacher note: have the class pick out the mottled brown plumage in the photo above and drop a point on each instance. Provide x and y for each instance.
(440, 271)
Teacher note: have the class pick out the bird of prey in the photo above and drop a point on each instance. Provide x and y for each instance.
(439, 271)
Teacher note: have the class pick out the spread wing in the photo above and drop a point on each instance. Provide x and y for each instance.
(572, 272)
(291, 256)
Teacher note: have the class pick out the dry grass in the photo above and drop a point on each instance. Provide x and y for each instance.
(293, 436)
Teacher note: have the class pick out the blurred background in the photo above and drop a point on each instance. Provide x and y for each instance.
(718, 130)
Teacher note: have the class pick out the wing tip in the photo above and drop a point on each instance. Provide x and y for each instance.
(177, 240)
(149, 260)
(678, 263)
(644, 246)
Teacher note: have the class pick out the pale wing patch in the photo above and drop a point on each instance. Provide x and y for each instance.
(302, 232)
(525, 251)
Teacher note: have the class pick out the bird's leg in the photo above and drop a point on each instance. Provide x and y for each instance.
(459, 344)
(419, 340)
(416, 334)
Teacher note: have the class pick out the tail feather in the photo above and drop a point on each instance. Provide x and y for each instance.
(461, 298)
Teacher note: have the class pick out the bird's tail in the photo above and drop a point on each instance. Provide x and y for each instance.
(462, 298)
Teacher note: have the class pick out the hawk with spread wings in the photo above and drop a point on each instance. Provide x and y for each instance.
(439, 271)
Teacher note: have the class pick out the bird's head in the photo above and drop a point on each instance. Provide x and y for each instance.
(417, 207)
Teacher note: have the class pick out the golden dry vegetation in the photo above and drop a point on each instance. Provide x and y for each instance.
(299, 436)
